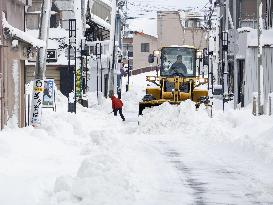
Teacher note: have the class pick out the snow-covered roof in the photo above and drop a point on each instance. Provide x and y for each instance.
(21, 35)
(100, 21)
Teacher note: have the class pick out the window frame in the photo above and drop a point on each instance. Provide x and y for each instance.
(145, 47)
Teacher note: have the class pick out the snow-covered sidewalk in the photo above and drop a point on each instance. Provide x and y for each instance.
(174, 156)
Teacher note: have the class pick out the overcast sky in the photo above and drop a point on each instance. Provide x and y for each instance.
(144, 11)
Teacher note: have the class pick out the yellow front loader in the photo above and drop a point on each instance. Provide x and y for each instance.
(177, 81)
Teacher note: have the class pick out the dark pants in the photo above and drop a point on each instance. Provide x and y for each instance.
(120, 113)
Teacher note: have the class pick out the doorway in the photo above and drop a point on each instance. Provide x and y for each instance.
(241, 82)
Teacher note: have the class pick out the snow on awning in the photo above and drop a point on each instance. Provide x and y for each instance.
(21, 35)
(100, 22)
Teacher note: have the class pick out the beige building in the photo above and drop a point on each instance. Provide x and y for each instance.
(15, 47)
(181, 28)
(143, 45)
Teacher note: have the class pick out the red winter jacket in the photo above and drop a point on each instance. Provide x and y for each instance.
(116, 103)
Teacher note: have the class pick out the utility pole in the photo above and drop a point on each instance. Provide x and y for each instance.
(112, 46)
(259, 62)
(40, 68)
(225, 42)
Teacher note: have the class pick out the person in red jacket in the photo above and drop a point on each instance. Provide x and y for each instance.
(116, 105)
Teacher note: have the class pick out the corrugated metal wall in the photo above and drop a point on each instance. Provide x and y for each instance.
(251, 81)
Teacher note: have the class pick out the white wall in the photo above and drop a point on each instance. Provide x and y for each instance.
(251, 75)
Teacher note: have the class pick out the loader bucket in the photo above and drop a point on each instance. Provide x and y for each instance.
(142, 106)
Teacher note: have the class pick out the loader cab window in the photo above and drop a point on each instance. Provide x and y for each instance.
(178, 61)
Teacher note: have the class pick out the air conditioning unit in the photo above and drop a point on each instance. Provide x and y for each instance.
(51, 55)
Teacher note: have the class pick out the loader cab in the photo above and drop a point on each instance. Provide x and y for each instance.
(178, 61)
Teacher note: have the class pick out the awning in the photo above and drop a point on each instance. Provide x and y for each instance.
(16, 33)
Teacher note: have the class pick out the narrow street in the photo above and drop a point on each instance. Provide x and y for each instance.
(201, 165)
(136, 102)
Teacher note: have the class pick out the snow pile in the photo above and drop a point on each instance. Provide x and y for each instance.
(236, 127)
(101, 179)
(176, 155)
(169, 117)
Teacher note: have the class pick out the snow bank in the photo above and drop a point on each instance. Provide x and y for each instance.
(236, 127)
(95, 158)
(101, 179)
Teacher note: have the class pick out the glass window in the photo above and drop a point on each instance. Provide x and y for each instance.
(145, 47)
(178, 61)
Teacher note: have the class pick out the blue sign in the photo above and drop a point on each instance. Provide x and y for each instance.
(49, 95)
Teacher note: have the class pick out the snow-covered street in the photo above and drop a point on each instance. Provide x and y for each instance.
(136, 102)
(176, 155)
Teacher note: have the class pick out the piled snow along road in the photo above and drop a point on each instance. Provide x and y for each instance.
(234, 126)
(95, 158)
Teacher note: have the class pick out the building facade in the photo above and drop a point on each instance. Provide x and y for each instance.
(143, 46)
(243, 61)
(15, 48)
(181, 28)
(92, 22)
(57, 66)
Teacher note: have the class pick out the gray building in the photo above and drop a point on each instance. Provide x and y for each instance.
(243, 60)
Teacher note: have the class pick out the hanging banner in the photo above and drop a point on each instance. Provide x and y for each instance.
(49, 94)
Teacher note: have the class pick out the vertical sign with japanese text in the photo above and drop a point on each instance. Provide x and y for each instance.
(37, 102)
